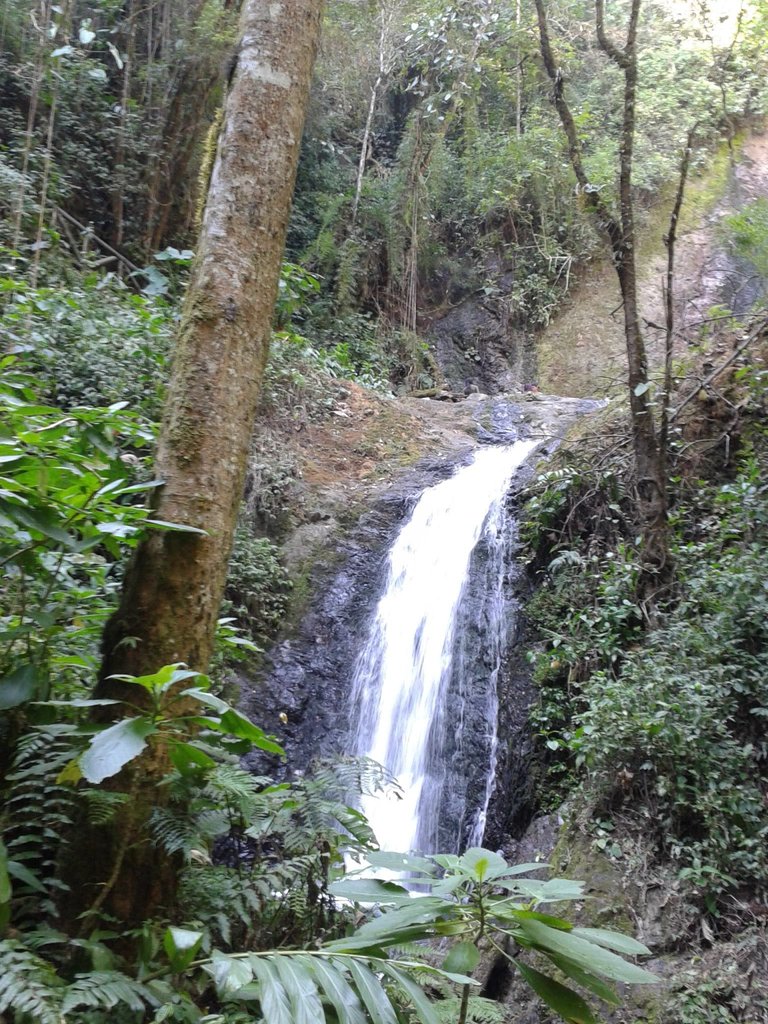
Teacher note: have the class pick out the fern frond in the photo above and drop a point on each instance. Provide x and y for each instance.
(105, 990)
(28, 985)
(38, 811)
(321, 989)
(103, 805)
(479, 1011)
(177, 832)
(228, 782)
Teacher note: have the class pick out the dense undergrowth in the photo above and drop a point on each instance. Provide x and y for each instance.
(660, 720)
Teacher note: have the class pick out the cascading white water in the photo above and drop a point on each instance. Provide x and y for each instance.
(403, 671)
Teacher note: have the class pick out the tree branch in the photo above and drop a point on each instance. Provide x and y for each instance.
(606, 223)
(617, 55)
(669, 289)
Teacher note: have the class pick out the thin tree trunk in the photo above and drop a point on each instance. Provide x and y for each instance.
(29, 135)
(44, 184)
(118, 199)
(670, 240)
(386, 21)
(619, 234)
(518, 74)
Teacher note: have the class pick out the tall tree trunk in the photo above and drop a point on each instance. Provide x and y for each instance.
(619, 233)
(174, 585)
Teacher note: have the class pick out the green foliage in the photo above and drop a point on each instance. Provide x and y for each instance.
(31, 987)
(284, 844)
(28, 984)
(258, 586)
(125, 101)
(94, 343)
(682, 718)
(749, 233)
(726, 987)
(478, 898)
(472, 899)
(37, 812)
(66, 515)
(670, 719)
(178, 732)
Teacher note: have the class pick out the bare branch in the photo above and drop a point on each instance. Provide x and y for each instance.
(620, 57)
(606, 222)
(669, 289)
(757, 332)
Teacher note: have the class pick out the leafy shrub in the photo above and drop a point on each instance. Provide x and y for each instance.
(258, 586)
(748, 231)
(674, 719)
(95, 342)
(67, 515)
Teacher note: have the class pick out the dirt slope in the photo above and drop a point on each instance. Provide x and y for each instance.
(582, 353)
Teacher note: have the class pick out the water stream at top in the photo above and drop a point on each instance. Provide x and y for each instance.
(413, 648)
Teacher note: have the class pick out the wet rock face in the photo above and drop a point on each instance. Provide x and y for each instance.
(304, 694)
(478, 349)
(308, 678)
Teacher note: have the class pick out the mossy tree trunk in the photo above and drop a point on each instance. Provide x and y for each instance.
(175, 582)
(174, 585)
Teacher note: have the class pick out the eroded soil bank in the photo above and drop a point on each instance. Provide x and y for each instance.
(582, 351)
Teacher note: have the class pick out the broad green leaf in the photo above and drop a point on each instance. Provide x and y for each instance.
(613, 940)
(5, 881)
(22, 874)
(404, 862)
(39, 521)
(341, 996)
(232, 723)
(406, 923)
(568, 1004)
(70, 774)
(181, 945)
(463, 958)
(447, 885)
(186, 756)
(115, 747)
(521, 869)
(163, 679)
(590, 957)
(275, 1006)
(371, 890)
(117, 529)
(138, 488)
(552, 891)
(511, 913)
(209, 699)
(19, 686)
(301, 989)
(449, 861)
(161, 524)
(229, 973)
(371, 993)
(482, 865)
(78, 702)
(420, 967)
(586, 980)
(424, 1009)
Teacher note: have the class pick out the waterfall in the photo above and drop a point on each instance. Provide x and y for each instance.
(415, 647)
